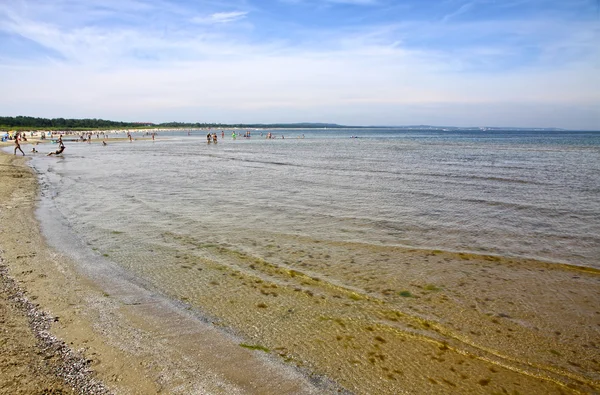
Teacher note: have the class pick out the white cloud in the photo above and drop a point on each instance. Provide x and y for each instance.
(221, 17)
(361, 75)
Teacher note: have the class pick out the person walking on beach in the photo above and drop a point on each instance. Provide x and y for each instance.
(17, 145)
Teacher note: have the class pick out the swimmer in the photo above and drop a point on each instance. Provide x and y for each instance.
(34, 150)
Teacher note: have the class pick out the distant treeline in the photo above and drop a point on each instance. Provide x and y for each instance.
(23, 122)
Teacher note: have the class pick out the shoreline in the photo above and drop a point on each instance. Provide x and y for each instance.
(32, 358)
(111, 325)
(130, 345)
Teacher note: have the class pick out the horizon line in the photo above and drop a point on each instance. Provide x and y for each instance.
(282, 124)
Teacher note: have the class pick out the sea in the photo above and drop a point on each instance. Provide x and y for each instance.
(322, 246)
(516, 193)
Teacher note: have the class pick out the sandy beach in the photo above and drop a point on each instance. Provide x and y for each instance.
(131, 346)
(452, 323)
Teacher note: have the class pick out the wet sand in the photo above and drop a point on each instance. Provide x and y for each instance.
(134, 342)
(423, 322)
(31, 359)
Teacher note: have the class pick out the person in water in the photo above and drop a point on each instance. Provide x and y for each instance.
(209, 138)
(17, 145)
(60, 149)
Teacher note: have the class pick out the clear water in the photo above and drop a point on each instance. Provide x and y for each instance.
(295, 246)
(511, 193)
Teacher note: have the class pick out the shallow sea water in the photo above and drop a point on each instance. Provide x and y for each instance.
(294, 242)
(529, 194)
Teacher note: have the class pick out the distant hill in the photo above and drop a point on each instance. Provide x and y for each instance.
(451, 128)
(304, 125)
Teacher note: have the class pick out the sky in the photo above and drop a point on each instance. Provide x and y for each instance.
(521, 63)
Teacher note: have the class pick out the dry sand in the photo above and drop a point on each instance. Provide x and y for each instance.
(450, 323)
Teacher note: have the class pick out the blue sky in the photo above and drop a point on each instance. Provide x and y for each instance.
(530, 63)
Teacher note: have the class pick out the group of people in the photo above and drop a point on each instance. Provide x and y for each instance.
(211, 138)
(18, 137)
(84, 137)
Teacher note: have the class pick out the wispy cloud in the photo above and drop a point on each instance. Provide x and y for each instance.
(221, 17)
(461, 10)
(355, 2)
(334, 2)
(162, 60)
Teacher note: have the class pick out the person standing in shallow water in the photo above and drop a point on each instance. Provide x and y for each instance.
(17, 145)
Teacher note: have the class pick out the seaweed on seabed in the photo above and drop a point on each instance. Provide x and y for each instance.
(254, 347)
